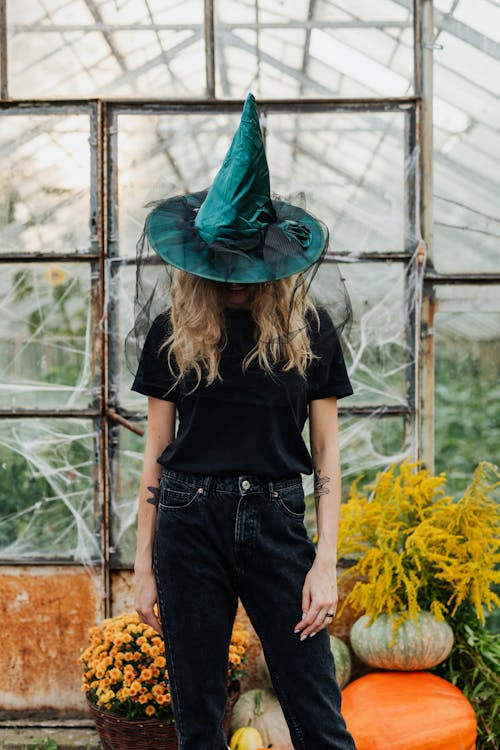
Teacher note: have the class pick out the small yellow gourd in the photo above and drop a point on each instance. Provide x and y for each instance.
(246, 738)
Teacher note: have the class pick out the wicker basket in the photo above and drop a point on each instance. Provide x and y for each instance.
(118, 733)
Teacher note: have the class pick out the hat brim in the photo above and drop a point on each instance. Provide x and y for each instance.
(171, 232)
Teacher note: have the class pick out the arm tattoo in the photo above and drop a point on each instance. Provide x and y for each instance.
(154, 495)
(320, 487)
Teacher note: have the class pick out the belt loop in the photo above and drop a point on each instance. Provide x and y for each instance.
(270, 488)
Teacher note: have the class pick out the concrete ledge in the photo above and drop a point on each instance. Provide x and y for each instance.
(12, 738)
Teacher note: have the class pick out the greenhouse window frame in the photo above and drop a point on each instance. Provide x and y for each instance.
(103, 114)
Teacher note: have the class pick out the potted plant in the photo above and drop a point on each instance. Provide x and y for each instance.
(125, 679)
(420, 557)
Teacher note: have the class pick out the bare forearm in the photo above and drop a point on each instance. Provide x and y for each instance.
(146, 515)
(160, 432)
(327, 496)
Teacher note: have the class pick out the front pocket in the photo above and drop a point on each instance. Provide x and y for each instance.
(176, 494)
(291, 500)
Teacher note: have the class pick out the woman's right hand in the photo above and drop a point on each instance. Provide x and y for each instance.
(145, 596)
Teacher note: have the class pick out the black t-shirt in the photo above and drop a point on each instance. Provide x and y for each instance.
(252, 422)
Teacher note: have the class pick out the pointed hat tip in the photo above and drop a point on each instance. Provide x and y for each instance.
(250, 104)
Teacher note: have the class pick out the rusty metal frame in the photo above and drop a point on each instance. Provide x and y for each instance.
(104, 237)
(423, 52)
(101, 227)
(104, 260)
(210, 48)
(407, 107)
(4, 90)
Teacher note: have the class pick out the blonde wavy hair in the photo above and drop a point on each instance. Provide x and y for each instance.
(199, 334)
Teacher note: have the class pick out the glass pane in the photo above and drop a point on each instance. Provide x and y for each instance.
(135, 48)
(164, 155)
(124, 363)
(466, 139)
(47, 490)
(46, 340)
(128, 457)
(45, 184)
(467, 387)
(284, 48)
(375, 348)
(367, 446)
(351, 169)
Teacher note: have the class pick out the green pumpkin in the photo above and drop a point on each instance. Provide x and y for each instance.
(411, 650)
(342, 658)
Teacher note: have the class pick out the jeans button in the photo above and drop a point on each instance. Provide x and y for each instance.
(245, 484)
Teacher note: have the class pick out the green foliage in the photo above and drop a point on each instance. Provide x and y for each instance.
(45, 743)
(467, 407)
(53, 305)
(34, 511)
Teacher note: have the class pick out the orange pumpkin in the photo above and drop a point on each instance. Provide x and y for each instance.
(408, 711)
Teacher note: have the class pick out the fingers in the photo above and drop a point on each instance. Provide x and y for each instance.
(306, 597)
(146, 600)
(148, 616)
(315, 617)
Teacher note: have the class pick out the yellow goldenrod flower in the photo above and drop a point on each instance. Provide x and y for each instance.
(416, 548)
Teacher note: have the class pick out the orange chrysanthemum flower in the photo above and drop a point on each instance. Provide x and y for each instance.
(124, 669)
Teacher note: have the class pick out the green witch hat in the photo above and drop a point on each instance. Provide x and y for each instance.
(234, 231)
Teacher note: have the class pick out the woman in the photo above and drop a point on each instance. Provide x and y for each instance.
(245, 356)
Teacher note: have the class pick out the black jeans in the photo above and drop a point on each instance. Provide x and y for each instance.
(217, 539)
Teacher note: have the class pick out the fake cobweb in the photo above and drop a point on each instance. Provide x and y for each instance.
(53, 466)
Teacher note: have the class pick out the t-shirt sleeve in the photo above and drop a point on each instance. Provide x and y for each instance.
(328, 374)
(153, 376)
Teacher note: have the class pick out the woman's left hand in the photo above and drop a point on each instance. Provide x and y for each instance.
(319, 596)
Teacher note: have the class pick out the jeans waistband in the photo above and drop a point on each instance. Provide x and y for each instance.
(247, 482)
